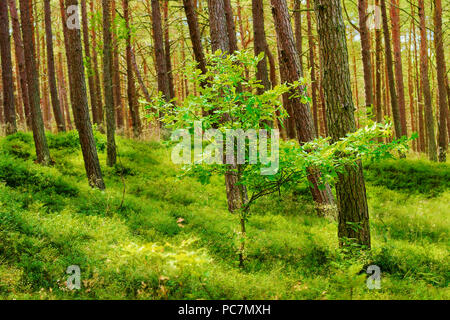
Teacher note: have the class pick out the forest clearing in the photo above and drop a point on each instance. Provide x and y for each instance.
(224, 150)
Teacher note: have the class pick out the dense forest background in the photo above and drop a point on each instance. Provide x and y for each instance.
(89, 88)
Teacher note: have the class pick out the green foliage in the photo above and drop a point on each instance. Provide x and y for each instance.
(174, 239)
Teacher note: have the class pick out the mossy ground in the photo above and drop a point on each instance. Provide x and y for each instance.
(151, 235)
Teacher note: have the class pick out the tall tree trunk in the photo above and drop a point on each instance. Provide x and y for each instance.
(160, 58)
(108, 84)
(89, 66)
(60, 123)
(390, 72)
(378, 70)
(421, 140)
(20, 59)
(298, 29)
(442, 90)
(260, 44)
(312, 67)
(98, 118)
(395, 20)
(350, 187)
(303, 119)
(429, 121)
(167, 48)
(116, 79)
(220, 41)
(194, 33)
(63, 92)
(365, 52)
(131, 87)
(40, 141)
(8, 82)
(81, 107)
(231, 28)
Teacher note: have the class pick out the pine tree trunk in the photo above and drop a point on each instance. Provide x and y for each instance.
(442, 90)
(60, 123)
(231, 28)
(194, 33)
(160, 58)
(390, 72)
(395, 21)
(108, 85)
(116, 79)
(302, 114)
(20, 60)
(378, 74)
(365, 52)
(87, 54)
(167, 48)
(259, 38)
(298, 29)
(429, 121)
(131, 87)
(350, 187)
(81, 107)
(98, 118)
(7, 76)
(312, 67)
(40, 141)
(236, 194)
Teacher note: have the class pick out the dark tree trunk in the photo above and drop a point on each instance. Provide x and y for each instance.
(390, 72)
(302, 113)
(40, 141)
(81, 107)
(231, 28)
(87, 54)
(350, 187)
(167, 48)
(160, 58)
(20, 59)
(131, 88)
(365, 52)
(8, 82)
(442, 90)
(429, 121)
(194, 33)
(260, 44)
(108, 84)
(60, 123)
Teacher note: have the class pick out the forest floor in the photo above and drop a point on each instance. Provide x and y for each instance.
(166, 238)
